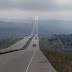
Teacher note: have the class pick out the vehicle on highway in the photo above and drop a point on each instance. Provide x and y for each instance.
(28, 37)
(35, 37)
(34, 45)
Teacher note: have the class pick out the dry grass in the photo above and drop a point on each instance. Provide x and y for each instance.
(61, 61)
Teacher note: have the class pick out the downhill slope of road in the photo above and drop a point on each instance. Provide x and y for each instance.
(29, 60)
(39, 63)
(17, 45)
(17, 61)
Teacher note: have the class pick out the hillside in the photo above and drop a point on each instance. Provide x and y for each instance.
(58, 50)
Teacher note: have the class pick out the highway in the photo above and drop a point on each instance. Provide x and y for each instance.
(39, 62)
(29, 60)
(17, 45)
(17, 61)
(20, 43)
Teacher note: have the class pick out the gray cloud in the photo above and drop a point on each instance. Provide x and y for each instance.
(29, 4)
(34, 5)
(45, 9)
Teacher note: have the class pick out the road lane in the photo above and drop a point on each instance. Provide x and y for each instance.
(17, 61)
(17, 45)
(29, 60)
(39, 62)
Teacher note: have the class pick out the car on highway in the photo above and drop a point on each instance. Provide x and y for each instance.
(35, 37)
(28, 37)
(34, 45)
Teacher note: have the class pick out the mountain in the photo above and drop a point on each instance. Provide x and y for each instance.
(47, 27)
(10, 29)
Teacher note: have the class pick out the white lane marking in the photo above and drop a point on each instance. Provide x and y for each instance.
(30, 61)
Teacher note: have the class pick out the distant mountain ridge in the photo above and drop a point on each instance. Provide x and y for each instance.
(47, 27)
(8, 29)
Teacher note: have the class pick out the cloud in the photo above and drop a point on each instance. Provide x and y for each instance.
(64, 2)
(45, 9)
(36, 4)
(28, 4)
(21, 14)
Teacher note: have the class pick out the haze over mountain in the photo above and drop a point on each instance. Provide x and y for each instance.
(55, 27)
(46, 27)
(11, 29)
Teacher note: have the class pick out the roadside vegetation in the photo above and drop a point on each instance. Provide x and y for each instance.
(52, 48)
(7, 42)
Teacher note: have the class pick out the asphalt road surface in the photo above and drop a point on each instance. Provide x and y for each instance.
(39, 62)
(17, 45)
(17, 61)
(29, 60)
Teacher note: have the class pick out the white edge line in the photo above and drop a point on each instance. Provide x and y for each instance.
(30, 61)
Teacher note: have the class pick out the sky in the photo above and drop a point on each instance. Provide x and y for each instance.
(45, 9)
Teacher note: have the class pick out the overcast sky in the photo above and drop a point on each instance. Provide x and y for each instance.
(45, 9)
